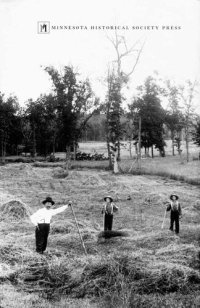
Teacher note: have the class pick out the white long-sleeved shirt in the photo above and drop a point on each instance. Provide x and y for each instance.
(44, 216)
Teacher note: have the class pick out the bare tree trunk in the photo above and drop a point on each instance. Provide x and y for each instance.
(172, 138)
(136, 150)
(54, 145)
(118, 151)
(139, 143)
(2, 149)
(152, 154)
(130, 149)
(68, 157)
(74, 148)
(187, 143)
(109, 154)
(34, 141)
(116, 166)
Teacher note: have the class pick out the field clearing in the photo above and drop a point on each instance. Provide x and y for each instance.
(119, 272)
(174, 167)
(100, 147)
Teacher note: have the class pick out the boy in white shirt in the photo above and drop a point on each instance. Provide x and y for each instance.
(41, 219)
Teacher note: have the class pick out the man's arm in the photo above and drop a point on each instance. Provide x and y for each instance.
(103, 209)
(168, 208)
(61, 208)
(115, 208)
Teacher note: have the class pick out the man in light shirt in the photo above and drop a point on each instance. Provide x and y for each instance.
(41, 219)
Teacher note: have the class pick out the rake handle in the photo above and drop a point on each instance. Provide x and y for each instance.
(164, 219)
(82, 242)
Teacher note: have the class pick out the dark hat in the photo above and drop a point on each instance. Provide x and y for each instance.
(48, 199)
(111, 199)
(174, 196)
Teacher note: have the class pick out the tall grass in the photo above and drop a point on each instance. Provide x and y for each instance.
(169, 167)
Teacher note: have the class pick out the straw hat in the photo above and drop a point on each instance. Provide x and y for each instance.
(111, 199)
(174, 195)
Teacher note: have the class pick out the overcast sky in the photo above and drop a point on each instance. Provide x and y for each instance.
(174, 53)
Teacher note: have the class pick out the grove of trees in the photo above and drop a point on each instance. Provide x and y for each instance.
(72, 113)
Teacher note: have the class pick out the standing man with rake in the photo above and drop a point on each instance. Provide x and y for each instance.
(108, 209)
(176, 212)
(41, 219)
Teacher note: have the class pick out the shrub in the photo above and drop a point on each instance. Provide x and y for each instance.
(89, 156)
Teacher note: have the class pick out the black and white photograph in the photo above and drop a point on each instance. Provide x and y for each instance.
(99, 154)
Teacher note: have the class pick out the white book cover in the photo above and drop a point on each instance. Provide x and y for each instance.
(122, 168)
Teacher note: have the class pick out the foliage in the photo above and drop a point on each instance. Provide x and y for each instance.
(56, 121)
(187, 93)
(196, 134)
(114, 98)
(147, 106)
(10, 134)
(89, 156)
(74, 103)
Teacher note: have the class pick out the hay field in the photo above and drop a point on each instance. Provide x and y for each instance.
(101, 147)
(151, 267)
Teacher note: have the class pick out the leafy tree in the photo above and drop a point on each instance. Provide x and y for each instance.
(39, 125)
(196, 134)
(187, 94)
(10, 135)
(114, 112)
(147, 107)
(95, 128)
(75, 104)
(174, 116)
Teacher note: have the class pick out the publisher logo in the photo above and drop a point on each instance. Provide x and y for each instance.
(43, 27)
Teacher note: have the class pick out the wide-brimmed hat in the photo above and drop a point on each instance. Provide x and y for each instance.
(48, 199)
(174, 195)
(111, 199)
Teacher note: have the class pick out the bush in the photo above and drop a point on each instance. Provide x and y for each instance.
(89, 156)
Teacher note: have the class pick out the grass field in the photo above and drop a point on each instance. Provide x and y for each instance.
(151, 267)
(100, 147)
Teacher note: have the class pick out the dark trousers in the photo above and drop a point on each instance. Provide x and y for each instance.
(174, 219)
(108, 221)
(41, 236)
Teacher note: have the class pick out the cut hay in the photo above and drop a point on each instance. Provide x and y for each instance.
(5, 271)
(109, 234)
(48, 164)
(153, 198)
(83, 178)
(103, 276)
(60, 173)
(197, 205)
(62, 228)
(14, 210)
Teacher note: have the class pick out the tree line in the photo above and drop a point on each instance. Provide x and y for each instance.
(58, 121)
(72, 112)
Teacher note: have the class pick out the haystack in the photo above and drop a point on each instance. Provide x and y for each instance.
(5, 271)
(60, 173)
(14, 210)
(154, 198)
(197, 205)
